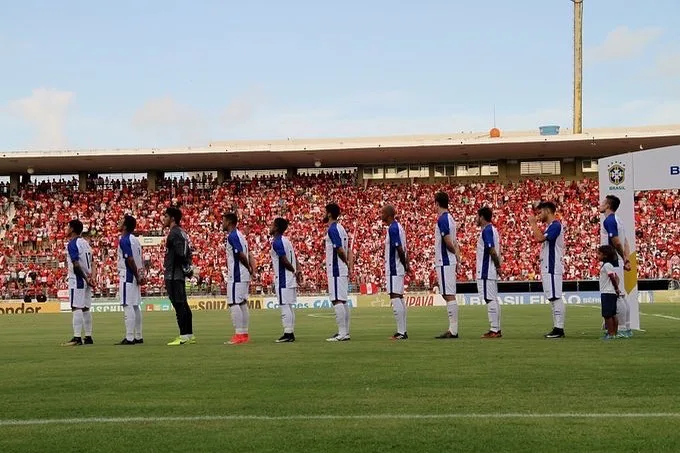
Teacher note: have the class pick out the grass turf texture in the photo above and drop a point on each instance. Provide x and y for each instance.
(371, 375)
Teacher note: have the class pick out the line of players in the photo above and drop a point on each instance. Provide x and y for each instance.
(339, 266)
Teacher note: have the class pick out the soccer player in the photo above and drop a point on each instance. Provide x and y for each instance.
(446, 261)
(613, 234)
(287, 273)
(239, 270)
(396, 267)
(489, 270)
(552, 265)
(609, 289)
(130, 268)
(338, 268)
(81, 281)
(177, 268)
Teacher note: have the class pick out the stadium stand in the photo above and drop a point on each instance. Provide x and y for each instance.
(32, 257)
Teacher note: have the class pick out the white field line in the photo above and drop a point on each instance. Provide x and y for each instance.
(276, 418)
(674, 318)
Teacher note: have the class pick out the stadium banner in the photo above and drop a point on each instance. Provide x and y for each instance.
(617, 177)
(22, 308)
(436, 300)
(163, 304)
(314, 302)
(666, 297)
(220, 303)
(150, 241)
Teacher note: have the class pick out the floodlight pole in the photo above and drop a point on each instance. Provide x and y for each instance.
(578, 66)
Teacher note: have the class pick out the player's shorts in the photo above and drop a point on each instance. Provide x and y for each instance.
(446, 276)
(129, 293)
(488, 289)
(395, 284)
(552, 286)
(80, 297)
(286, 296)
(237, 292)
(609, 305)
(338, 288)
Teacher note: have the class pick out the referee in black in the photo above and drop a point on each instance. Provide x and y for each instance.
(177, 268)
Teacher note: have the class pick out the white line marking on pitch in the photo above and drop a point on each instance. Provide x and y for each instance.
(661, 316)
(324, 315)
(274, 418)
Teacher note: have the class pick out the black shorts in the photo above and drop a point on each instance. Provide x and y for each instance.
(609, 305)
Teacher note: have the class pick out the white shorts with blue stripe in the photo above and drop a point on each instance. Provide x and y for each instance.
(488, 289)
(80, 297)
(129, 294)
(446, 276)
(552, 286)
(338, 288)
(395, 284)
(237, 292)
(286, 296)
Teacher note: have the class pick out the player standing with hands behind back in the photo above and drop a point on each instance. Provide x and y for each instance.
(239, 269)
(130, 267)
(338, 268)
(552, 264)
(396, 267)
(489, 270)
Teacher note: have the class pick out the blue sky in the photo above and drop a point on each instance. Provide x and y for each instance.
(84, 74)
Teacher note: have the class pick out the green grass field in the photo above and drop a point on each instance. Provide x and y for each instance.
(417, 396)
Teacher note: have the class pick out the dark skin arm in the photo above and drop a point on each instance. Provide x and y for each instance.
(403, 258)
(243, 259)
(496, 260)
(131, 263)
(287, 264)
(615, 280)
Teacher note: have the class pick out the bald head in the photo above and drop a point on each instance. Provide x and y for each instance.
(388, 213)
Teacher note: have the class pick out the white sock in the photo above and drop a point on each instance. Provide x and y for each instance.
(288, 318)
(493, 308)
(87, 323)
(622, 312)
(399, 310)
(340, 317)
(138, 322)
(558, 313)
(245, 318)
(236, 318)
(77, 323)
(452, 308)
(129, 322)
(347, 312)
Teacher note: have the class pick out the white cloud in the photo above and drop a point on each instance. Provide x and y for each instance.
(668, 65)
(164, 120)
(623, 43)
(46, 111)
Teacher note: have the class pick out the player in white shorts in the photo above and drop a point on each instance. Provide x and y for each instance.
(489, 270)
(130, 271)
(286, 276)
(239, 269)
(446, 261)
(80, 283)
(396, 267)
(552, 262)
(338, 268)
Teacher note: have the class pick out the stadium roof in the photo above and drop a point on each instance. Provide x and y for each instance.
(295, 153)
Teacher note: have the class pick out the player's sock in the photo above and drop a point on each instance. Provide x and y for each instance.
(138, 322)
(87, 323)
(340, 319)
(245, 318)
(347, 313)
(77, 323)
(452, 308)
(399, 310)
(288, 318)
(622, 312)
(403, 315)
(558, 313)
(129, 322)
(236, 318)
(494, 310)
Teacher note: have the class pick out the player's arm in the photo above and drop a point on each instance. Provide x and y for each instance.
(395, 239)
(495, 258)
(452, 246)
(280, 250)
(287, 264)
(401, 253)
(621, 250)
(74, 254)
(135, 271)
(337, 245)
(536, 230)
(246, 260)
(179, 246)
(615, 281)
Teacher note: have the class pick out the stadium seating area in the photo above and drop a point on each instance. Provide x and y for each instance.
(32, 258)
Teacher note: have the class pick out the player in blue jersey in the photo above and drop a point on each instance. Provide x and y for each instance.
(489, 270)
(613, 233)
(130, 271)
(239, 270)
(552, 261)
(396, 267)
(81, 282)
(286, 276)
(447, 261)
(338, 269)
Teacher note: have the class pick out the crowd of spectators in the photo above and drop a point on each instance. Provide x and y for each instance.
(32, 254)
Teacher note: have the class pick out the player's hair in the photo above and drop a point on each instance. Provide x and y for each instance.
(281, 224)
(609, 253)
(333, 210)
(130, 223)
(613, 201)
(76, 225)
(485, 213)
(231, 218)
(549, 205)
(442, 199)
(174, 213)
